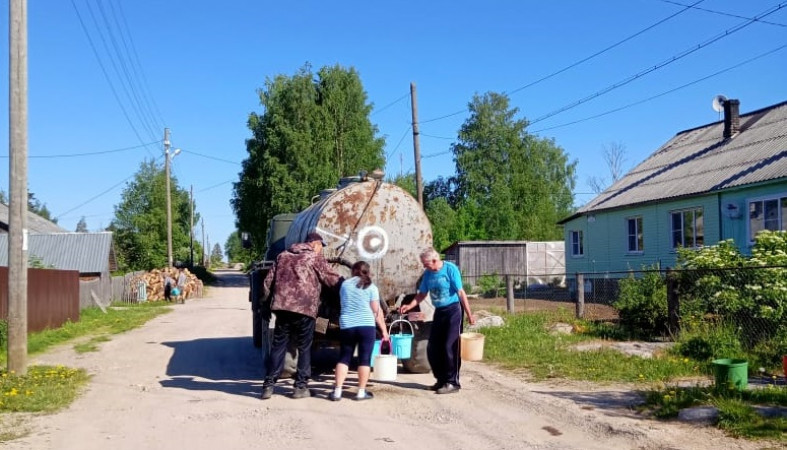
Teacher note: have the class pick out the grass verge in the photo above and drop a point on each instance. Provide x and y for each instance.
(737, 413)
(92, 323)
(47, 389)
(525, 342)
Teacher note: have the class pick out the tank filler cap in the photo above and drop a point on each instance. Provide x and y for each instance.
(377, 174)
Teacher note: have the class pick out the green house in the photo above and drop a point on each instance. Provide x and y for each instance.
(724, 180)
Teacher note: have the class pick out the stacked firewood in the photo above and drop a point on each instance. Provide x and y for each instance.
(154, 283)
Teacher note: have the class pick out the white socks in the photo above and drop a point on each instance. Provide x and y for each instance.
(361, 393)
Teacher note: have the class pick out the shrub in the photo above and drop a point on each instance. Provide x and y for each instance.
(642, 304)
(706, 341)
(490, 285)
(3, 333)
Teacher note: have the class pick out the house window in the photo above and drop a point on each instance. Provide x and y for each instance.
(767, 214)
(577, 243)
(636, 242)
(688, 229)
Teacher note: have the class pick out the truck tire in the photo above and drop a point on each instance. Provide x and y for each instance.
(419, 361)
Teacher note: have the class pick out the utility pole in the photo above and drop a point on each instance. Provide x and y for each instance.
(203, 244)
(169, 200)
(17, 208)
(191, 225)
(416, 146)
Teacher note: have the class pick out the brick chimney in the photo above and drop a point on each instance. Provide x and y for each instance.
(732, 118)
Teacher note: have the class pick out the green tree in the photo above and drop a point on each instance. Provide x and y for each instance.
(140, 222)
(510, 184)
(406, 182)
(81, 225)
(235, 251)
(314, 129)
(216, 255)
(36, 207)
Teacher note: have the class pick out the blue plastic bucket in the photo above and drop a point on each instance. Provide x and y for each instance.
(375, 351)
(401, 343)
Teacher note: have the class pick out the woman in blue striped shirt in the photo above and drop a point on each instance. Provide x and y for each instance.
(360, 311)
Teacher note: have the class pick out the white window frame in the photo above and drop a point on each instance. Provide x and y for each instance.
(694, 227)
(577, 241)
(781, 214)
(639, 234)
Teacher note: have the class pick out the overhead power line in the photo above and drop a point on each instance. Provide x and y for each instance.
(136, 66)
(216, 185)
(107, 77)
(100, 194)
(721, 13)
(391, 104)
(762, 55)
(118, 65)
(75, 155)
(583, 60)
(600, 52)
(404, 135)
(660, 65)
(211, 157)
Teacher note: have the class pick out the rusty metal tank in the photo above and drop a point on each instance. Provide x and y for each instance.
(374, 221)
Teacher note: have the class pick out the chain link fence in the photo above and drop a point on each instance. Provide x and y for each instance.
(744, 308)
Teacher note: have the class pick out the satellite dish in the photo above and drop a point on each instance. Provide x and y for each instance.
(718, 103)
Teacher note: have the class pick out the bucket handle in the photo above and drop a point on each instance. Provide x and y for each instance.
(390, 328)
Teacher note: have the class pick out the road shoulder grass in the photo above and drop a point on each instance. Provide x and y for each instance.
(47, 389)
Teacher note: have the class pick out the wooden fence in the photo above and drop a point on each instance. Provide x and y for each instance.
(52, 297)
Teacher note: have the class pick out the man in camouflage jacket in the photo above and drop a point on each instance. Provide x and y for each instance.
(295, 282)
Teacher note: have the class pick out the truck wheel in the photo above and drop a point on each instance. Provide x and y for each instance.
(418, 361)
(256, 327)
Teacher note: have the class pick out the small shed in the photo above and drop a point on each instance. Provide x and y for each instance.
(527, 261)
(91, 254)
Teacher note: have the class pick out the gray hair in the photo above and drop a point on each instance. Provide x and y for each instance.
(430, 253)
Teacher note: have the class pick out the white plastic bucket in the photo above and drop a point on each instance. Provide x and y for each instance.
(472, 346)
(385, 367)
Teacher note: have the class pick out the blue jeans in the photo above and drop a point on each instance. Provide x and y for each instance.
(300, 329)
(443, 348)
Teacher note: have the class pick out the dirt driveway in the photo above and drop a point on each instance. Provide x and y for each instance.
(190, 380)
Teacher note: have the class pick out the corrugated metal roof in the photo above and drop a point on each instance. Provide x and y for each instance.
(700, 161)
(85, 252)
(35, 223)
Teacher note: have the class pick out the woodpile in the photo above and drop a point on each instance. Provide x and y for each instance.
(154, 283)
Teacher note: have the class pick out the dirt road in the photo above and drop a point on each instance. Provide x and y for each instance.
(191, 380)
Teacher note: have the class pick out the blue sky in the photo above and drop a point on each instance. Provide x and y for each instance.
(195, 67)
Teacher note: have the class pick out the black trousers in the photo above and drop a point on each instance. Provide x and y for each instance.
(443, 348)
(294, 327)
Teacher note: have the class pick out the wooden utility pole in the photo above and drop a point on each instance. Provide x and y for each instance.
(17, 208)
(191, 225)
(169, 200)
(203, 244)
(419, 188)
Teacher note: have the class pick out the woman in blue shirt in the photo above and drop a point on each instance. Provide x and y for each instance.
(360, 310)
(442, 281)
